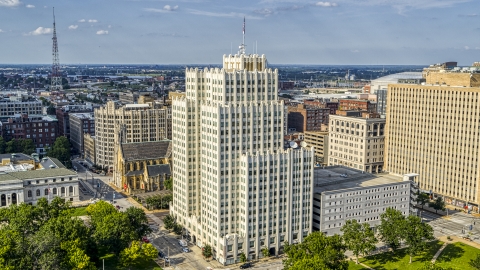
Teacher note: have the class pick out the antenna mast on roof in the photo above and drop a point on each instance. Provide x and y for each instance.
(56, 77)
(242, 47)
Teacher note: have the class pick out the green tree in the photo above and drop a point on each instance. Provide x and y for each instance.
(265, 252)
(422, 198)
(359, 238)
(207, 251)
(168, 183)
(28, 147)
(177, 229)
(149, 251)
(51, 110)
(165, 202)
(138, 220)
(438, 204)
(131, 255)
(14, 146)
(3, 145)
(416, 235)
(475, 263)
(317, 251)
(113, 232)
(169, 222)
(243, 257)
(61, 151)
(391, 228)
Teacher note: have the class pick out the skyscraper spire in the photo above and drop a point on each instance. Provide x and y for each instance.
(242, 47)
(56, 77)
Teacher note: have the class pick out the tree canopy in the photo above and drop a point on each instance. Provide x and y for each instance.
(316, 252)
(61, 151)
(391, 228)
(48, 236)
(359, 238)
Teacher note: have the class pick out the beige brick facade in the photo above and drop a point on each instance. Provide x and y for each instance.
(356, 142)
(319, 140)
(434, 131)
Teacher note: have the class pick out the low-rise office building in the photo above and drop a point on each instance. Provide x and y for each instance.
(9, 107)
(357, 142)
(319, 140)
(31, 185)
(81, 123)
(41, 129)
(342, 194)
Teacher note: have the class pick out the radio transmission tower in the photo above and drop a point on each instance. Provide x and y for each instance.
(56, 77)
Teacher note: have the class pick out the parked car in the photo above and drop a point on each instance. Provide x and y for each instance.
(183, 243)
(145, 239)
(246, 265)
(161, 254)
(185, 249)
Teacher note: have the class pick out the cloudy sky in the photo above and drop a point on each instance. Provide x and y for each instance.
(201, 31)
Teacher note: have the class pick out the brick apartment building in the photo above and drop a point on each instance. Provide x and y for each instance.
(307, 118)
(357, 105)
(332, 105)
(43, 130)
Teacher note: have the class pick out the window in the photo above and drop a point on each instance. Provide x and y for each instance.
(38, 192)
(54, 191)
(70, 189)
(29, 193)
(62, 190)
(45, 192)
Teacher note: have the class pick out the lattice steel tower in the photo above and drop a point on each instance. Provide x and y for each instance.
(56, 77)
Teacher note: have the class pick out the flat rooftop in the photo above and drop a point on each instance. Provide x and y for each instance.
(338, 177)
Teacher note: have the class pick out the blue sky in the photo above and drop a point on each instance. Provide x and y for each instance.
(201, 31)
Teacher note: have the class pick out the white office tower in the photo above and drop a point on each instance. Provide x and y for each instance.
(235, 187)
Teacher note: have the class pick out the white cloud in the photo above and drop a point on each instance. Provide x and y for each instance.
(30, 6)
(9, 3)
(92, 21)
(170, 8)
(165, 9)
(1, 31)
(405, 5)
(40, 31)
(73, 27)
(82, 20)
(326, 4)
(102, 32)
(477, 48)
(467, 48)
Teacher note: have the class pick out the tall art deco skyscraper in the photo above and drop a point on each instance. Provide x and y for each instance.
(235, 187)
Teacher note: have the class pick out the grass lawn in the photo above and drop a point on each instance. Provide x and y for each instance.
(353, 266)
(457, 256)
(80, 211)
(111, 263)
(400, 259)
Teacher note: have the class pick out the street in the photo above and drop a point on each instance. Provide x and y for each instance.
(457, 224)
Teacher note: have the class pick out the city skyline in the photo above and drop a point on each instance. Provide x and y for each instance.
(370, 32)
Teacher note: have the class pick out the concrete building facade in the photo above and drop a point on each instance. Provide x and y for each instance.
(235, 187)
(432, 129)
(319, 141)
(357, 142)
(343, 194)
(142, 123)
(8, 108)
(81, 123)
